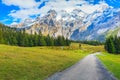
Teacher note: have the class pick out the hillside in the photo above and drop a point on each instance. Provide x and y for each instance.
(113, 32)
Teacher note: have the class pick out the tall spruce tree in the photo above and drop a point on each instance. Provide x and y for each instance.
(112, 44)
(49, 41)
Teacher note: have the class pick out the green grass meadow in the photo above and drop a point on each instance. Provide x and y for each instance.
(112, 63)
(36, 63)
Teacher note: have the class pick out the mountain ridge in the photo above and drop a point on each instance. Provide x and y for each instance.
(76, 25)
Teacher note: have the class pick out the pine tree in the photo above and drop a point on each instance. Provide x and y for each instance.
(67, 42)
(41, 41)
(60, 41)
(35, 39)
(1, 36)
(111, 46)
(117, 44)
(49, 41)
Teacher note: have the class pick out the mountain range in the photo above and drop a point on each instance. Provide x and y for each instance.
(75, 25)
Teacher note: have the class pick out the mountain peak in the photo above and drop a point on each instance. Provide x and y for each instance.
(75, 25)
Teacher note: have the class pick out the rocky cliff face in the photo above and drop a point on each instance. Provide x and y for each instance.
(76, 25)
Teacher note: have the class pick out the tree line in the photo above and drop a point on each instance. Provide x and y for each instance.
(112, 44)
(11, 36)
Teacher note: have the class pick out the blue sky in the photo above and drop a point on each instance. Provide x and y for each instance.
(15, 11)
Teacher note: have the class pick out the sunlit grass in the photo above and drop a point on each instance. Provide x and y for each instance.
(35, 63)
(89, 48)
(112, 63)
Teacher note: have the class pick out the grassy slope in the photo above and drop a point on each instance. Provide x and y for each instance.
(37, 63)
(112, 63)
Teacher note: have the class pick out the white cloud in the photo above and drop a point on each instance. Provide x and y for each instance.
(27, 8)
(14, 23)
(59, 5)
(2, 21)
(21, 3)
(25, 13)
(102, 30)
(30, 7)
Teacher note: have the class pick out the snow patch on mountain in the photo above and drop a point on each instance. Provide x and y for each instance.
(75, 24)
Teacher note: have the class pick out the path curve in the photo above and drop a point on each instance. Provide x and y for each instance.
(89, 68)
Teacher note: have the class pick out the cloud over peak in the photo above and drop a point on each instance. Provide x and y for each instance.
(28, 8)
(21, 3)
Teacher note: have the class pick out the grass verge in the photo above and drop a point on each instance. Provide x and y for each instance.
(112, 63)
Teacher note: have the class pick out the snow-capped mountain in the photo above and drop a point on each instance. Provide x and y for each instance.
(108, 20)
(75, 25)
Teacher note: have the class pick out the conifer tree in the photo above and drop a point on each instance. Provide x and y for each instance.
(111, 46)
(49, 41)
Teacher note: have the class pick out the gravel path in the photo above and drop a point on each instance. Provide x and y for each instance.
(89, 68)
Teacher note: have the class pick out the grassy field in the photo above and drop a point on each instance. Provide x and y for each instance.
(37, 63)
(112, 63)
(92, 49)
